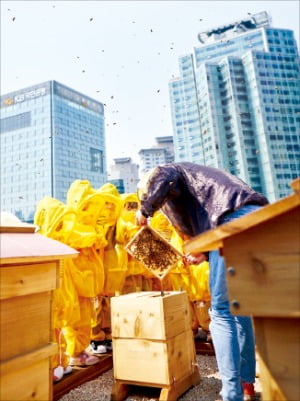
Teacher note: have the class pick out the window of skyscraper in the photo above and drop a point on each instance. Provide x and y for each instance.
(96, 160)
(15, 122)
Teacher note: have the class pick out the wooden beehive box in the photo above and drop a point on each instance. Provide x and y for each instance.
(152, 335)
(154, 251)
(28, 275)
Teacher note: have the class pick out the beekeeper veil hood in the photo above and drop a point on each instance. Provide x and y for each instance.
(142, 185)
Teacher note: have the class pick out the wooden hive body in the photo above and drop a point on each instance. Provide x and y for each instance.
(28, 277)
(152, 334)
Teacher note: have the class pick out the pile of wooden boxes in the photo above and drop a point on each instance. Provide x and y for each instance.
(153, 343)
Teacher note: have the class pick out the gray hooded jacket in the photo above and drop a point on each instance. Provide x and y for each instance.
(195, 197)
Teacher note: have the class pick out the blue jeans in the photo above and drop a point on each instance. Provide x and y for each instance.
(233, 336)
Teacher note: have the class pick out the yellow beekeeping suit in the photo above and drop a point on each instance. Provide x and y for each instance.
(193, 279)
(199, 293)
(87, 270)
(114, 276)
(107, 220)
(125, 231)
(49, 216)
(66, 312)
(78, 191)
(178, 278)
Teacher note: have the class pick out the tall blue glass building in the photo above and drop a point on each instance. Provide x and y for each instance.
(236, 104)
(51, 135)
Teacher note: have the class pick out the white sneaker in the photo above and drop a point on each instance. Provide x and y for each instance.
(100, 349)
(58, 373)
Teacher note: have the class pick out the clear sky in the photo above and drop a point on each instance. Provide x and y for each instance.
(122, 53)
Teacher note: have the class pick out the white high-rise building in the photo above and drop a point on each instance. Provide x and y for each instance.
(236, 104)
(125, 170)
(161, 153)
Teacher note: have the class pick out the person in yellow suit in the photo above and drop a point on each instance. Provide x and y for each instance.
(199, 295)
(49, 217)
(66, 312)
(137, 276)
(107, 220)
(114, 273)
(173, 280)
(87, 269)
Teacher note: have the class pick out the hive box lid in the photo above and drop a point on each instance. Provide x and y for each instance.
(150, 315)
(27, 247)
(9, 223)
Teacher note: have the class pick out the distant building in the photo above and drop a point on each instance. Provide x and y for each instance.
(127, 171)
(166, 142)
(51, 135)
(161, 153)
(236, 104)
(119, 184)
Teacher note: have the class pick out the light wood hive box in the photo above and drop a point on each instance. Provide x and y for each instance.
(29, 273)
(152, 337)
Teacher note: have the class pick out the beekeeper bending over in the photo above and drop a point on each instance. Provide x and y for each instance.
(197, 198)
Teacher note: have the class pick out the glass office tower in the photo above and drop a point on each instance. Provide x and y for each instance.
(236, 104)
(51, 135)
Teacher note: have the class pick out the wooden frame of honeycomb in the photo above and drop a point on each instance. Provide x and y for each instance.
(154, 251)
